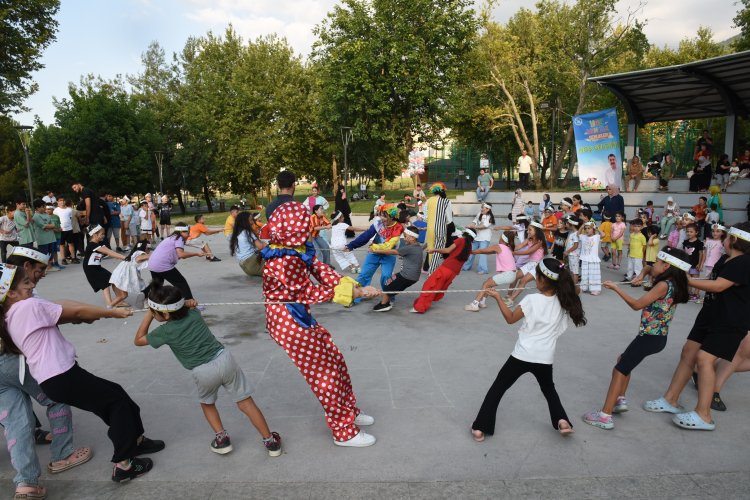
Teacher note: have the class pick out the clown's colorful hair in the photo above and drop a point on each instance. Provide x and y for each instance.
(437, 187)
(390, 209)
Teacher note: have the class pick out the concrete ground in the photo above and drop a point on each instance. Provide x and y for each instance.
(423, 378)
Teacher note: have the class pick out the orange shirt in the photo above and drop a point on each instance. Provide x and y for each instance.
(197, 230)
(575, 209)
(316, 221)
(550, 225)
(700, 211)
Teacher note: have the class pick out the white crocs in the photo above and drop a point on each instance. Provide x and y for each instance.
(361, 440)
(363, 419)
(661, 405)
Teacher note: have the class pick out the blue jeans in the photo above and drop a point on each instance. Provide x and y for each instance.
(372, 261)
(482, 266)
(481, 195)
(322, 247)
(17, 416)
(666, 225)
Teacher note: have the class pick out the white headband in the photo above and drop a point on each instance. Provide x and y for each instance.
(590, 224)
(671, 259)
(166, 307)
(31, 254)
(410, 233)
(484, 205)
(505, 238)
(566, 203)
(521, 217)
(338, 215)
(257, 216)
(718, 226)
(472, 233)
(551, 275)
(92, 232)
(6, 278)
(689, 217)
(536, 224)
(182, 228)
(739, 233)
(571, 221)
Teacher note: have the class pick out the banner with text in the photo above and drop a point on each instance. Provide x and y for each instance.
(598, 146)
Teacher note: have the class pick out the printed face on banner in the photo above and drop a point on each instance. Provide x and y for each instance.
(598, 146)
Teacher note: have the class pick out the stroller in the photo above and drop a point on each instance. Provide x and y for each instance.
(653, 166)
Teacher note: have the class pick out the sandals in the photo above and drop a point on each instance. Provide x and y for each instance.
(78, 457)
(123, 304)
(661, 405)
(478, 435)
(39, 494)
(40, 436)
(565, 431)
(692, 421)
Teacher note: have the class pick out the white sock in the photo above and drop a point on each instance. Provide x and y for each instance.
(483, 300)
(475, 303)
(604, 414)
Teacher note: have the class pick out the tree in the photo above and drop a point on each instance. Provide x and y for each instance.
(390, 69)
(13, 178)
(742, 21)
(27, 27)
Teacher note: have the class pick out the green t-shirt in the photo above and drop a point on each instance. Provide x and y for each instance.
(56, 221)
(25, 234)
(43, 236)
(191, 341)
(485, 180)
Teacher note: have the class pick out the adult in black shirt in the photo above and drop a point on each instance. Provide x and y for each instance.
(93, 211)
(106, 217)
(286, 182)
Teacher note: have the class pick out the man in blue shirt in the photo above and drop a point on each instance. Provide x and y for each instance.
(114, 223)
(708, 141)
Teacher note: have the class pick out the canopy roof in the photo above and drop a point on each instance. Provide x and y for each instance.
(719, 86)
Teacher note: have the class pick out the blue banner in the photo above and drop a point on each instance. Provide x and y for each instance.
(598, 145)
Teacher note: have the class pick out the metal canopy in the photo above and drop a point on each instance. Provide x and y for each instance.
(719, 86)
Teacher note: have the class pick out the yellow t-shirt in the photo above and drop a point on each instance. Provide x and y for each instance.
(606, 228)
(637, 242)
(229, 226)
(652, 250)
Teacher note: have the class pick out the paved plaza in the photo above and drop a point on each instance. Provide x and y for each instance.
(423, 378)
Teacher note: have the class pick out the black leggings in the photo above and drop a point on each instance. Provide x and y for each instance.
(509, 373)
(175, 278)
(105, 399)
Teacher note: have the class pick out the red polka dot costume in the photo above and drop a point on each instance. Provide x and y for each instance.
(289, 262)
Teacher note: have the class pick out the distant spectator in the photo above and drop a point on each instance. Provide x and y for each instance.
(144, 216)
(634, 172)
(419, 194)
(165, 216)
(114, 220)
(93, 211)
(152, 209)
(723, 167)
(524, 169)
(704, 140)
(234, 211)
(22, 220)
(745, 161)
(50, 211)
(667, 173)
(455, 182)
(107, 218)
(50, 198)
(67, 243)
(8, 231)
(129, 221)
(613, 202)
(316, 199)
(44, 231)
(701, 178)
(484, 184)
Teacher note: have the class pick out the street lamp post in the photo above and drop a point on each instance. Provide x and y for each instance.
(346, 136)
(24, 133)
(159, 159)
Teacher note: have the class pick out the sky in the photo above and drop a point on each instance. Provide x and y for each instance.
(108, 37)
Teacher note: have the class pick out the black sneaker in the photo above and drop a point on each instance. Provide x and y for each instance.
(695, 380)
(717, 404)
(119, 249)
(274, 446)
(138, 467)
(383, 307)
(147, 446)
(221, 447)
(75, 261)
(606, 258)
(215, 259)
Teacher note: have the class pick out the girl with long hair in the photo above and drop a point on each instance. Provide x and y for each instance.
(127, 274)
(245, 245)
(482, 225)
(339, 230)
(442, 278)
(536, 249)
(670, 287)
(506, 267)
(545, 317)
(97, 276)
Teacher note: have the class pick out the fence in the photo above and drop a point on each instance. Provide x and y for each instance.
(680, 141)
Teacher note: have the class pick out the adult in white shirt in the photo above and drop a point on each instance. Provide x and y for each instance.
(66, 229)
(524, 168)
(610, 176)
(50, 198)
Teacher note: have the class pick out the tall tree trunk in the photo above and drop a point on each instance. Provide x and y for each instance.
(183, 210)
(335, 174)
(254, 196)
(573, 160)
(207, 196)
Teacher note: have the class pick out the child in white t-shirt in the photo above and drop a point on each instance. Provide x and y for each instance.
(734, 172)
(591, 273)
(144, 215)
(545, 318)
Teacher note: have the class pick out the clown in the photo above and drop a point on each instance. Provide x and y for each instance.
(289, 262)
(387, 232)
(440, 227)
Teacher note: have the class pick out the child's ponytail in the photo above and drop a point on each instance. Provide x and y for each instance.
(511, 237)
(466, 250)
(565, 289)
(678, 277)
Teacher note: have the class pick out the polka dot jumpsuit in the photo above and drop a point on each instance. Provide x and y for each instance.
(287, 278)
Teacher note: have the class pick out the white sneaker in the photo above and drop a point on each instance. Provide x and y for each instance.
(471, 308)
(414, 311)
(359, 441)
(363, 419)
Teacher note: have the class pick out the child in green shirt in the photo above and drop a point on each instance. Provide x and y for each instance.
(212, 366)
(56, 221)
(44, 231)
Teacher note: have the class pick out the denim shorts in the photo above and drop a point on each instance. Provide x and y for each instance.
(222, 371)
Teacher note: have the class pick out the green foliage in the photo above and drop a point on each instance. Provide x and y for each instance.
(701, 46)
(13, 178)
(27, 27)
(99, 137)
(742, 21)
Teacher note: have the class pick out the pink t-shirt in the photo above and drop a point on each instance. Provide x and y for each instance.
(618, 231)
(714, 251)
(32, 324)
(504, 259)
(537, 255)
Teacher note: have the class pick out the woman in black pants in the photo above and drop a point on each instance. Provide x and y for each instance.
(342, 205)
(163, 260)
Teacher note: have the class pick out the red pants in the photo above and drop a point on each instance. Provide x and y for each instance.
(441, 279)
(322, 365)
